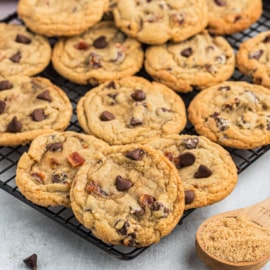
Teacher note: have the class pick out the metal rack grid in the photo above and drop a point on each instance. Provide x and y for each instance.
(64, 216)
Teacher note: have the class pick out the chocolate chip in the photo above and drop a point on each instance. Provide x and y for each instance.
(81, 46)
(203, 172)
(155, 206)
(53, 147)
(31, 261)
(2, 106)
(122, 227)
(165, 109)
(14, 125)
(38, 115)
(45, 95)
(5, 84)
(178, 19)
(100, 42)
(106, 116)
(138, 95)
(58, 176)
(139, 213)
(122, 184)
(191, 143)
(146, 199)
(266, 39)
(237, 18)
(112, 95)
(187, 52)
(111, 85)
(22, 39)
(184, 160)
(136, 154)
(135, 122)
(15, 58)
(256, 55)
(220, 3)
(189, 196)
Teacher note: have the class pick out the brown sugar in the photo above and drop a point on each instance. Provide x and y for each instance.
(236, 239)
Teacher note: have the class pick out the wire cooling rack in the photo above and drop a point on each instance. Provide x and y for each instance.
(64, 216)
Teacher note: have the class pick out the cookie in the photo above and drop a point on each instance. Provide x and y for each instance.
(30, 107)
(206, 169)
(130, 110)
(253, 57)
(233, 114)
(100, 54)
(229, 16)
(198, 62)
(156, 22)
(22, 52)
(45, 173)
(131, 195)
(61, 18)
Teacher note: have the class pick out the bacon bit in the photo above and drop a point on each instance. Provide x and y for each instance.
(93, 187)
(75, 159)
(81, 45)
(38, 176)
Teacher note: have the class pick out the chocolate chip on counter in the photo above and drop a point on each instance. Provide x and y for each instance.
(138, 95)
(191, 143)
(58, 176)
(53, 147)
(184, 160)
(189, 196)
(256, 55)
(14, 125)
(135, 122)
(38, 115)
(2, 106)
(111, 85)
(122, 184)
(220, 3)
(45, 95)
(106, 116)
(266, 39)
(22, 39)
(15, 58)
(203, 172)
(136, 154)
(31, 261)
(187, 52)
(100, 42)
(5, 84)
(81, 45)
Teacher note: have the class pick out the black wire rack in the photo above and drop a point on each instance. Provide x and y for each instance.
(9, 156)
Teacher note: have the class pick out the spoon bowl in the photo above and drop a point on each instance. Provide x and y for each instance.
(259, 214)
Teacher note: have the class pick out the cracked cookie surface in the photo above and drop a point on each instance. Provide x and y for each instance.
(130, 110)
(206, 169)
(233, 114)
(131, 195)
(30, 107)
(45, 173)
(22, 52)
(100, 54)
(157, 21)
(198, 62)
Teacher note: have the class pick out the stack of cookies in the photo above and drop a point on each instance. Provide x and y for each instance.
(129, 177)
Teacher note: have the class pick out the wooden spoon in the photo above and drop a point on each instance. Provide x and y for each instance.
(260, 214)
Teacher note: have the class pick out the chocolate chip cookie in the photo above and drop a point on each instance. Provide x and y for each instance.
(198, 62)
(102, 53)
(229, 16)
(130, 110)
(253, 58)
(22, 52)
(30, 107)
(157, 21)
(131, 195)
(45, 173)
(61, 18)
(234, 114)
(206, 169)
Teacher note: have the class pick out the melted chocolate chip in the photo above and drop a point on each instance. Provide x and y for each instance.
(123, 230)
(38, 115)
(266, 39)
(53, 147)
(15, 58)
(5, 84)
(189, 196)
(22, 39)
(256, 55)
(135, 122)
(139, 213)
(100, 42)
(187, 52)
(2, 106)
(106, 116)
(136, 154)
(146, 199)
(81, 46)
(184, 160)
(138, 95)
(31, 261)
(168, 155)
(203, 172)
(191, 143)
(220, 3)
(45, 95)
(122, 184)
(111, 85)
(237, 18)
(14, 125)
(58, 176)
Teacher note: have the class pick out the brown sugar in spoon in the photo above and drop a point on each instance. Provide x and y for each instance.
(258, 215)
